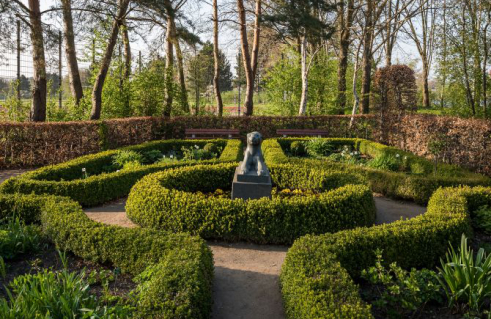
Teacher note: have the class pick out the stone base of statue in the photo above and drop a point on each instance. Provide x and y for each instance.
(250, 186)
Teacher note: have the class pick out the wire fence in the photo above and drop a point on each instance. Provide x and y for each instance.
(17, 71)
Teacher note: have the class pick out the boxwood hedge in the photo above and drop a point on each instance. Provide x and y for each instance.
(176, 269)
(317, 276)
(173, 200)
(66, 179)
(417, 186)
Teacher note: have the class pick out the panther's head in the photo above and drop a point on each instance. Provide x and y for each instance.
(254, 138)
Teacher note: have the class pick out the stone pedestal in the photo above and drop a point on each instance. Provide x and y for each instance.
(251, 186)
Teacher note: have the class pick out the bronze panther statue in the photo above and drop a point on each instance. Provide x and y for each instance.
(253, 163)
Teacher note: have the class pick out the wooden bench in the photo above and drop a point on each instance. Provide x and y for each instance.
(193, 134)
(303, 133)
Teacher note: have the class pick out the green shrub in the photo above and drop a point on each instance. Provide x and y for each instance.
(64, 179)
(16, 238)
(152, 156)
(123, 157)
(319, 147)
(51, 294)
(482, 219)
(388, 162)
(418, 185)
(317, 275)
(466, 280)
(402, 293)
(196, 154)
(211, 148)
(297, 148)
(180, 289)
(173, 200)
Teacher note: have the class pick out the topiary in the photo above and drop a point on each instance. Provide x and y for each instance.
(297, 148)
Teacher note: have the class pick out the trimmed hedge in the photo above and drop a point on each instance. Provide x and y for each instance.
(178, 268)
(65, 179)
(418, 188)
(316, 278)
(172, 200)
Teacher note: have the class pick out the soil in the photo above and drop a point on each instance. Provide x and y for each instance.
(48, 258)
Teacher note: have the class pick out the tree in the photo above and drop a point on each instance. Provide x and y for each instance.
(106, 61)
(250, 62)
(297, 19)
(70, 52)
(216, 58)
(345, 16)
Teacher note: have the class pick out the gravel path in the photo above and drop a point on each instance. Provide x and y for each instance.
(246, 275)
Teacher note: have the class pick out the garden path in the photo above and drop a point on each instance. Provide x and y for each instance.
(247, 275)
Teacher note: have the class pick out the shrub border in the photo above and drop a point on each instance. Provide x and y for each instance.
(154, 202)
(181, 266)
(418, 188)
(99, 189)
(316, 278)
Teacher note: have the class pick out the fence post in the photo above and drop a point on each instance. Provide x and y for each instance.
(18, 61)
(60, 76)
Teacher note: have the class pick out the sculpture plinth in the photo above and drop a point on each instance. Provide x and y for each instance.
(251, 179)
(251, 186)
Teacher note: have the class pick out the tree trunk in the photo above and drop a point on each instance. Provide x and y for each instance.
(216, 57)
(305, 80)
(180, 66)
(169, 99)
(257, 36)
(127, 53)
(106, 61)
(248, 103)
(426, 87)
(344, 31)
(367, 58)
(71, 53)
(38, 106)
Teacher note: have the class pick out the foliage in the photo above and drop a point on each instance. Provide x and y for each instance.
(297, 148)
(466, 280)
(176, 200)
(51, 294)
(123, 157)
(196, 154)
(395, 88)
(401, 291)
(99, 187)
(318, 272)
(152, 156)
(482, 219)
(388, 162)
(415, 183)
(318, 147)
(16, 238)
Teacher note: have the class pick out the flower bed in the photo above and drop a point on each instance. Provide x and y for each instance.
(67, 179)
(417, 182)
(317, 276)
(175, 271)
(175, 200)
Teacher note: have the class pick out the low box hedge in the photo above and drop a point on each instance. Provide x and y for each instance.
(176, 269)
(317, 276)
(66, 179)
(415, 187)
(173, 200)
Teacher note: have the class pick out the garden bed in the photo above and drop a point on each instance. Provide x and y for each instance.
(413, 177)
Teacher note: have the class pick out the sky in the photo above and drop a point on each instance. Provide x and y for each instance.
(229, 43)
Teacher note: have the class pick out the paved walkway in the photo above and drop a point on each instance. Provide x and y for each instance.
(6, 174)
